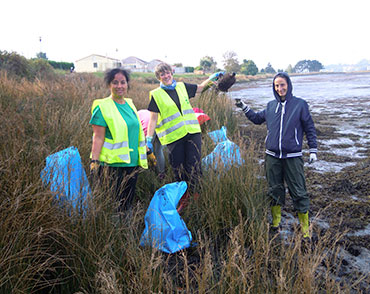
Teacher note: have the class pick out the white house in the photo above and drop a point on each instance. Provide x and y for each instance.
(179, 70)
(96, 63)
(152, 64)
(135, 64)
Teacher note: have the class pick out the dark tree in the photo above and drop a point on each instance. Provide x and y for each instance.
(41, 55)
(208, 64)
(248, 67)
(308, 66)
(269, 69)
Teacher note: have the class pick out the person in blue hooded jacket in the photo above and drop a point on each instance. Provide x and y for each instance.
(288, 118)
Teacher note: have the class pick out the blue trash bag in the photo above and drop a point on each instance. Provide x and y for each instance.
(164, 227)
(67, 178)
(219, 136)
(226, 152)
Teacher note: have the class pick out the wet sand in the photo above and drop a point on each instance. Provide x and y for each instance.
(339, 182)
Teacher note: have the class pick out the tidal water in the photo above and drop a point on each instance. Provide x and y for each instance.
(341, 101)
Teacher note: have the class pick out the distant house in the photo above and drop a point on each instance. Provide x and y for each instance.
(179, 70)
(349, 68)
(199, 72)
(152, 64)
(135, 64)
(96, 63)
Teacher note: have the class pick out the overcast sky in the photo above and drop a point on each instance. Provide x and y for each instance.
(280, 32)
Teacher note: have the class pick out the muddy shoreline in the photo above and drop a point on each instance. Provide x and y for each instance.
(340, 197)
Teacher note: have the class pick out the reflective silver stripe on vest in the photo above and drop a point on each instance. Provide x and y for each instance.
(168, 119)
(191, 122)
(177, 126)
(188, 111)
(171, 129)
(142, 143)
(124, 157)
(143, 156)
(111, 146)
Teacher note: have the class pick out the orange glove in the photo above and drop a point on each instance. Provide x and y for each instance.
(94, 166)
(151, 158)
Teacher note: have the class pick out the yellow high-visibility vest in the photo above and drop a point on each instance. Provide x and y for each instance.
(172, 124)
(117, 150)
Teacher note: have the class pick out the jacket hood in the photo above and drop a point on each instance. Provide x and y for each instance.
(290, 86)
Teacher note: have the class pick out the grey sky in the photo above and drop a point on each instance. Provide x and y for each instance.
(279, 32)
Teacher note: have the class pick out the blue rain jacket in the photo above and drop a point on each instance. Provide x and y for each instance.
(286, 124)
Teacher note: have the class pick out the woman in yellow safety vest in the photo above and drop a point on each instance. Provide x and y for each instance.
(177, 127)
(118, 146)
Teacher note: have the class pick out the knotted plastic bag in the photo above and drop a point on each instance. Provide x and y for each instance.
(201, 116)
(164, 227)
(67, 178)
(226, 152)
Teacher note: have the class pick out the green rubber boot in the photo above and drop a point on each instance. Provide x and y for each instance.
(303, 220)
(276, 216)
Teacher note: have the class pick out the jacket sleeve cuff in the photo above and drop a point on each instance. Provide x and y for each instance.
(246, 109)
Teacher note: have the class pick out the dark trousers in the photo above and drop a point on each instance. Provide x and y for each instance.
(185, 159)
(120, 182)
(289, 170)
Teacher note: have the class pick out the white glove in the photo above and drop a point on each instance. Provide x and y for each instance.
(239, 103)
(313, 158)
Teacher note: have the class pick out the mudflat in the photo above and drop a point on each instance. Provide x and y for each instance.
(339, 182)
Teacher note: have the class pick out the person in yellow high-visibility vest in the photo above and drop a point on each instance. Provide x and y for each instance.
(177, 127)
(118, 146)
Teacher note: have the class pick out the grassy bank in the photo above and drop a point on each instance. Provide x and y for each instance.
(46, 248)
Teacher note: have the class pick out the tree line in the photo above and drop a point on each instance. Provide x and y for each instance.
(21, 67)
(18, 66)
(248, 67)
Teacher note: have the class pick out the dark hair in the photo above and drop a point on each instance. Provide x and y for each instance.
(110, 73)
(283, 75)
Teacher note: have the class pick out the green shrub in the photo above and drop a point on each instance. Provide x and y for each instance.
(61, 65)
(15, 65)
(41, 68)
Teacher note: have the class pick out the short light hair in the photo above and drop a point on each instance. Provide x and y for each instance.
(161, 68)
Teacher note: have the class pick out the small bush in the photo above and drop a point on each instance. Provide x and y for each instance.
(42, 69)
(15, 65)
(61, 65)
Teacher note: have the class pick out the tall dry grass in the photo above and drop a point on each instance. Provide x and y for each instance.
(44, 248)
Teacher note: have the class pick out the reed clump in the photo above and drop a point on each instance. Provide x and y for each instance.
(50, 248)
